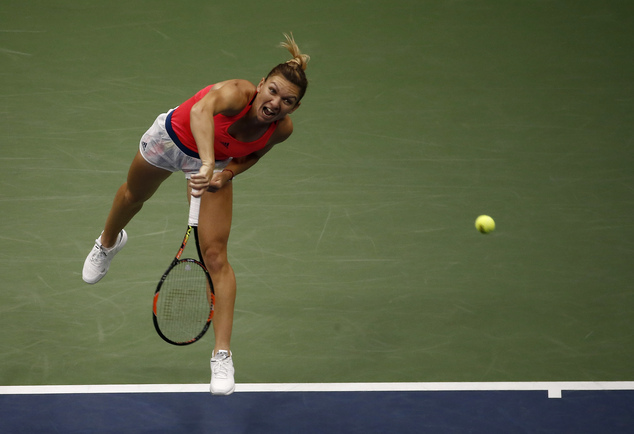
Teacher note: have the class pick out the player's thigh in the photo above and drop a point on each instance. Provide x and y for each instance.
(214, 224)
(144, 179)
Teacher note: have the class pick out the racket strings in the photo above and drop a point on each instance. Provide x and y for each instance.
(183, 304)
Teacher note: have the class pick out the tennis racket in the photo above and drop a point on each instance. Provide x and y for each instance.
(184, 298)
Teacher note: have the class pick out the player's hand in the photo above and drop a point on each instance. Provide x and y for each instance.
(199, 182)
(218, 181)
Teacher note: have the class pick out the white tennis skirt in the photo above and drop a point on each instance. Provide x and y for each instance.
(158, 149)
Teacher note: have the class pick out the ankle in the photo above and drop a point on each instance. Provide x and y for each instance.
(108, 242)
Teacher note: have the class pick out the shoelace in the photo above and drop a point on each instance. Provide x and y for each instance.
(221, 368)
(103, 252)
(96, 258)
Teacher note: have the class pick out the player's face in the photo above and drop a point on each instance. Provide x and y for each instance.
(277, 97)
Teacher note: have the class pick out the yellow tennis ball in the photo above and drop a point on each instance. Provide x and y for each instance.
(485, 224)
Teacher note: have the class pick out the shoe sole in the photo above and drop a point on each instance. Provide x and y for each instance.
(219, 393)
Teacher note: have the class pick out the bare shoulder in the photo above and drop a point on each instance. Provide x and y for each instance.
(236, 87)
(231, 96)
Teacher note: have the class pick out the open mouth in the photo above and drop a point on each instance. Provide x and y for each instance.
(268, 112)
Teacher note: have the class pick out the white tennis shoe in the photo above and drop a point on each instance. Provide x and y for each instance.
(98, 260)
(222, 371)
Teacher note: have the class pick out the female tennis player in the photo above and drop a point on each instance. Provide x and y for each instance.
(214, 136)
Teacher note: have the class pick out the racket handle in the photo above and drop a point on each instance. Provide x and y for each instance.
(194, 211)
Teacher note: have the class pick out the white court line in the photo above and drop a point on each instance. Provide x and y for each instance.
(554, 388)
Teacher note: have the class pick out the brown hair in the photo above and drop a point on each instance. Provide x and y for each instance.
(293, 70)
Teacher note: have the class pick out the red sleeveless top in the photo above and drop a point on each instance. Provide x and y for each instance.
(178, 127)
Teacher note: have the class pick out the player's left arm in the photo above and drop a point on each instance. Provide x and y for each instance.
(242, 164)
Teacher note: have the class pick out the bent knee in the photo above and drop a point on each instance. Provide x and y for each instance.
(215, 258)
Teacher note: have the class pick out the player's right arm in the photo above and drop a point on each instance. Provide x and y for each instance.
(229, 98)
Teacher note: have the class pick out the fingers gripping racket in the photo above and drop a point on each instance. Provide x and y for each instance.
(184, 298)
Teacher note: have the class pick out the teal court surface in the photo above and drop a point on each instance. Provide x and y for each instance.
(367, 300)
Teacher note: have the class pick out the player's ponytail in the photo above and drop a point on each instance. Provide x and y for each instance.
(300, 59)
(293, 70)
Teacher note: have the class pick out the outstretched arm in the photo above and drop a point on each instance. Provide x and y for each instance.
(228, 98)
